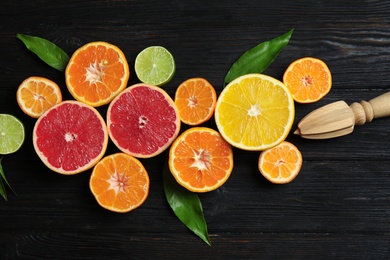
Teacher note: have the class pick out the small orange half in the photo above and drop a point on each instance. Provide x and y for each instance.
(96, 73)
(280, 164)
(200, 159)
(308, 79)
(36, 95)
(119, 183)
(195, 99)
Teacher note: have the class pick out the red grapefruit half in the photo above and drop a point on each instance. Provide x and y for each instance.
(71, 137)
(143, 120)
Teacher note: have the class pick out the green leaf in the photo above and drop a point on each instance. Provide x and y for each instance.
(186, 205)
(257, 59)
(3, 192)
(46, 51)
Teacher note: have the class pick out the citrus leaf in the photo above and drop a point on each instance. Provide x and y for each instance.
(46, 51)
(257, 59)
(3, 192)
(186, 206)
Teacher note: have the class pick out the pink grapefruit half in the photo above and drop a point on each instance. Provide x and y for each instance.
(143, 120)
(71, 137)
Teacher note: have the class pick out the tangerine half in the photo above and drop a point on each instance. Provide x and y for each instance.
(200, 159)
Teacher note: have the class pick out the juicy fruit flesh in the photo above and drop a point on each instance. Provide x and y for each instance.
(11, 134)
(97, 73)
(142, 121)
(69, 136)
(259, 115)
(201, 159)
(119, 182)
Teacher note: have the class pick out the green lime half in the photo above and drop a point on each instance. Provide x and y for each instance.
(155, 66)
(11, 134)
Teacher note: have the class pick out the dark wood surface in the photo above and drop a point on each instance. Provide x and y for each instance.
(338, 206)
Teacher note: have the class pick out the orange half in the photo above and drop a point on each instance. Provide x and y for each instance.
(195, 99)
(280, 164)
(119, 183)
(308, 79)
(200, 159)
(96, 73)
(36, 95)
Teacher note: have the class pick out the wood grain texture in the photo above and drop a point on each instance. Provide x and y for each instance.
(337, 207)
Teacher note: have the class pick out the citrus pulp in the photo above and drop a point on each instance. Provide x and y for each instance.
(195, 99)
(254, 112)
(280, 164)
(308, 79)
(119, 182)
(96, 73)
(70, 137)
(155, 65)
(36, 94)
(143, 120)
(11, 134)
(200, 159)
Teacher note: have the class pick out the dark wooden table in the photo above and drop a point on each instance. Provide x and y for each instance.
(337, 207)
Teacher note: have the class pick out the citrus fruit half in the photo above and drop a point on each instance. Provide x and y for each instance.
(195, 99)
(36, 94)
(143, 120)
(11, 134)
(280, 164)
(96, 73)
(70, 137)
(254, 112)
(155, 65)
(119, 182)
(200, 159)
(308, 79)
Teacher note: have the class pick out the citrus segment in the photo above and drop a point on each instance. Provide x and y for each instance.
(308, 79)
(155, 65)
(195, 99)
(254, 112)
(119, 182)
(35, 95)
(96, 73)
(11, 134)
(70, 137)
(200, 159)
(280, 164)
(143, 120)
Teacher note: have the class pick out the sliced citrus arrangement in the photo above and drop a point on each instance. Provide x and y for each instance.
(96, 73)
(308, 79)
(280, 164)
(200, 159)
(155, 65)
(11, 134)
(143, 120)
(254, 112)
(195, 99)
(70, 137)
(37, 94)
(119, 182)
